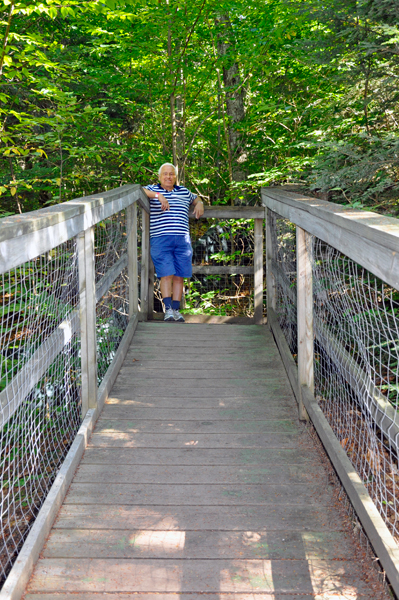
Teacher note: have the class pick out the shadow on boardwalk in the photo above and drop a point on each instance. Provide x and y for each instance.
(199, 480)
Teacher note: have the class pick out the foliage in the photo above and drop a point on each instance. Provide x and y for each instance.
(97, 94)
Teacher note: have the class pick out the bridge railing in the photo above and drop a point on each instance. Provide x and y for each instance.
(333, 307)
(69, 305)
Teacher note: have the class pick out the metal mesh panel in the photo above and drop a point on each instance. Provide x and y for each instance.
(39, 386)
(218, 242)
(112, 313)
(356, 370)
(284, 271)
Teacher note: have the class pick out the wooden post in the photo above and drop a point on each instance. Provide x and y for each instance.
(258, 272)
(87, 296)
(271, 291)
(145, 266)
(151, 278)
(131, 224)
(304, 315)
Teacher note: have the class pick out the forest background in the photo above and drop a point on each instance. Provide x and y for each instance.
(238, 93)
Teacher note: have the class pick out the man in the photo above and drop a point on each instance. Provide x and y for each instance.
(170, 242)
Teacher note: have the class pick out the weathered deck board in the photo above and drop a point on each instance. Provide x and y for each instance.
(199, 479)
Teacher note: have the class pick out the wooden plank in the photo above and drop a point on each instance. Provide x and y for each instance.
(88, 324)
(145, 266)
(179, 596)
(142, 365)
(258, 271)
(26, 236)
(107, 202)
(197, 494)
(366, 224)
(232, 212)
(304, 314)
(360, 236)
(194, 545)
(131, 218)
(168, 575)
(153, 425)
(212, 376)
(278, 410)
(151, 280)
(201, 384)
(209, 319)
(184, 518)
(192, 455)
(222, 270)
(222, 440)
(270, 279)
(223, 397)
(202, 474)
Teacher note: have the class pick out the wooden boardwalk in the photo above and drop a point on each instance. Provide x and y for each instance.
(199, 480)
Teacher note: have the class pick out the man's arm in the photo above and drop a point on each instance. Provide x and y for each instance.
(198, 207)
(152, 195)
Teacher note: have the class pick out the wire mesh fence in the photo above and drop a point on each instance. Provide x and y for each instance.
(356, 370)
(39, 386)
(41, 397)
(356, 358)
(112, 314)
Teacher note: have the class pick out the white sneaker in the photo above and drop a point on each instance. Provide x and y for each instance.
(169, 314)
(178, 316)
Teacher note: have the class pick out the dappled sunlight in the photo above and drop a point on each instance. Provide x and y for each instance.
(329, 578)
(127, 576)
(158, 541)
(244, 576)
(129, 402)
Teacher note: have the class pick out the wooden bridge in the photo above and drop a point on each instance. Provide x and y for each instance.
(199, 479)
(191, 473)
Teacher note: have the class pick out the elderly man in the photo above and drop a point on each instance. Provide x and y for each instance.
(170, 242)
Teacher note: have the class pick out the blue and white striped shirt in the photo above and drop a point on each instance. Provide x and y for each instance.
(175, 220)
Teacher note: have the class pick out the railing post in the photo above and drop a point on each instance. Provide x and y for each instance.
(151, 278)
(270, 280)
(145, 266)
(87, 297)
(131, 223)
(304, 315)
(258, 271)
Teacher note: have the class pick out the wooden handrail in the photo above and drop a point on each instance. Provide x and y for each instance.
(23, 237)
(371, 240)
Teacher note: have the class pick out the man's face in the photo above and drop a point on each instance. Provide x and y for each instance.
(167, 178)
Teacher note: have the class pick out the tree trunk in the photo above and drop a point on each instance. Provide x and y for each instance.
(234, 95)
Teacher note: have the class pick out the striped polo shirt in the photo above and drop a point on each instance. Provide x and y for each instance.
(175, 220)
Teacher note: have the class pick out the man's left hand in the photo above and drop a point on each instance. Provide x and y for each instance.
(199, 209)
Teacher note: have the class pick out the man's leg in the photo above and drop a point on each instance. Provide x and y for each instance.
(166, 286)
(166, 293)
(177, 295)
(177, 288)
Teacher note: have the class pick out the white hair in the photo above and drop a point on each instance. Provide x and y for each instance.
(167, 165)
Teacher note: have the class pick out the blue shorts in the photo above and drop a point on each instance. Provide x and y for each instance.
(171, 255)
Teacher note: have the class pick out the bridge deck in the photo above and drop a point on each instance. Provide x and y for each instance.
(199, 479)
